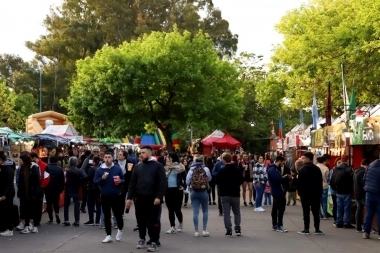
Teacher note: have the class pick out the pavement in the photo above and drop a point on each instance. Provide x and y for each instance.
(257, 236)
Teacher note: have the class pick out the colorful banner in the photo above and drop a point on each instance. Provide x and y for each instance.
(319, 138)
(371, 131)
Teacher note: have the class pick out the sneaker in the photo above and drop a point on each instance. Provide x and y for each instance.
(229, 233)
(7, 233)
(97, 224)
(338, 225)
(238, 232)
(180, 228)
(136, 229)
(274, 228)
(107, 239)
(89, 223)
(304, 232)
(281, 229)
(359, 231)
(152, 247)
(58, 220)
(83, 210)
(31, 226)
(250, 204)
(257, 209)
(348, 226)
(141, 244)
(245, 203)
(49, 222)
(185, 205)
(220, 214)
(196, 234)
(20, 226)
(25, 230)
(262, 209)
(115, 226)
(171, 231)
(76, 224)
(33, 230)
(119, 235)
(101, 226)
(365, 236)
(318, 232)
(205, 233)
(214, 203)
(324, 218)
(66, 224)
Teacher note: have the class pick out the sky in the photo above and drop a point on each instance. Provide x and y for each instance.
(252, 20)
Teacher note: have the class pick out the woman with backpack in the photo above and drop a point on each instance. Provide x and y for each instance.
(198, 179)
(176, 176)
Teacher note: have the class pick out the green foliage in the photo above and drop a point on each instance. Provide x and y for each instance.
(173, 78)
(317, 37)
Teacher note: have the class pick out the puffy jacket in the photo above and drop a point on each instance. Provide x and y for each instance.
(372, 178)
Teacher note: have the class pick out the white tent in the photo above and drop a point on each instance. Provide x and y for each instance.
(61, 130)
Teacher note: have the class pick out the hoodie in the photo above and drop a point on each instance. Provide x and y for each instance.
(229, 180)
(107, 186)
(310, 182)
(372, 178)
(276, 181)
(148, 180)
(191, 170)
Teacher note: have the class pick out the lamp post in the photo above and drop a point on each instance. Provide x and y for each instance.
(347, 135)
(40, 89)
(190, 129)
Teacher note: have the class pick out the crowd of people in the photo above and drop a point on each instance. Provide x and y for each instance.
(109, 187)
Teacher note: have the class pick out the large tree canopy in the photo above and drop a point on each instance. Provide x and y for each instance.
(317, 38)
(170, 79)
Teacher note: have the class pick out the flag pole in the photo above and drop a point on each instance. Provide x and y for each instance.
(345, 95)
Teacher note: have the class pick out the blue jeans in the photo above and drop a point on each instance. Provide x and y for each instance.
(197, 199)
(267, 198)
(324, 196)
(372, 202)
(259, 194)
(344, 209)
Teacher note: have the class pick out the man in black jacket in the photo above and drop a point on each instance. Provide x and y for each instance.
(342, 178)
(360, 193)
(7, 193)
(86, 164)
(229, 180)
(54, 188)
(310, 187)
(147, 188)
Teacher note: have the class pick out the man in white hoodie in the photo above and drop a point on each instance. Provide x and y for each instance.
(321, 163)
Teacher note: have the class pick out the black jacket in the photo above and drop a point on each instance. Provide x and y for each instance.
(34, 190)
(148, 180)
(359, 183)
(7, 188)
(57, 178)
(310, 183)
(74, 179)
(293, 184)
(229, 180)
(344, 179)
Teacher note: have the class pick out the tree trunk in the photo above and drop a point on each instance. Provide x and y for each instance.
(167, 132)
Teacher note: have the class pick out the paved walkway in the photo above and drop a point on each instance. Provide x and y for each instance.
(256, 229)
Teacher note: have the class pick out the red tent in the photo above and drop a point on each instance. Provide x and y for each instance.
(210, 139)
(226, 142)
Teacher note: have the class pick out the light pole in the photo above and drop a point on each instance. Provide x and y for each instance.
(190, 129)
(40, 89)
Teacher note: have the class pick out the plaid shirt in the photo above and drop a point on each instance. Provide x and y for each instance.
(259, 174)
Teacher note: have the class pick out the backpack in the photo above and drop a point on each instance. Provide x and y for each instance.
(334, 180)
(199, 180)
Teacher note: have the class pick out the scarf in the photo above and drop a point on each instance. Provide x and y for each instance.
(174, 167)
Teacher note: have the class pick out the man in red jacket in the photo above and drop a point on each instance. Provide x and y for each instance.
(44, 178)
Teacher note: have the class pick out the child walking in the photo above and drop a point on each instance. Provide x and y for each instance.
(267, 195)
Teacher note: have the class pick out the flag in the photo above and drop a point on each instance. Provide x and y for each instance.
(328, 109)
(345, 94)
(280, 128)
(301, 116)
(352, 105)
(315, 112)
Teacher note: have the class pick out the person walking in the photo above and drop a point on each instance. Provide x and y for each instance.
(229, 180)
(176, 175)
(54, 189)
(310, 187)
(147, 188)
(360, 193)
(110, 178)
(198, 178)
(93, 195)
(259, 181)
(278, 190)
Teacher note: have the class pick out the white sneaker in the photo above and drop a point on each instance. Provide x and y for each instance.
(171, 231)
(180, 228)
(26, 230)
(34, 230)
(262, 209)
(7, 233)
(258, 209)
(31, 226)
(20, 226)
(205, 233)
(107, 239)
(196, 234)
(119, 235)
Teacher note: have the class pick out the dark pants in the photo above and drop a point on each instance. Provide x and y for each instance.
(92, 202)
(148, 215)
(122, 197)
(211, 191)
(76, 201)
(278, 209)
(6, 208)
(173, 200)
(220, 206)
(52, 202)
(30, 210)
(113, 203)
(372, 203)
(84, 197)
(234, 204)
(333, 197)
(186, 198)
(314, 204)
(360, 203)
(38, 217)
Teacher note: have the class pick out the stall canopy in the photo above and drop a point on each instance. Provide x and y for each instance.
(60, 130)
(210, 139)
(227, 141)
(51, 141)
(12, 135)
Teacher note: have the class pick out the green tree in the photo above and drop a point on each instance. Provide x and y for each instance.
(318, 36)
(171, 79)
